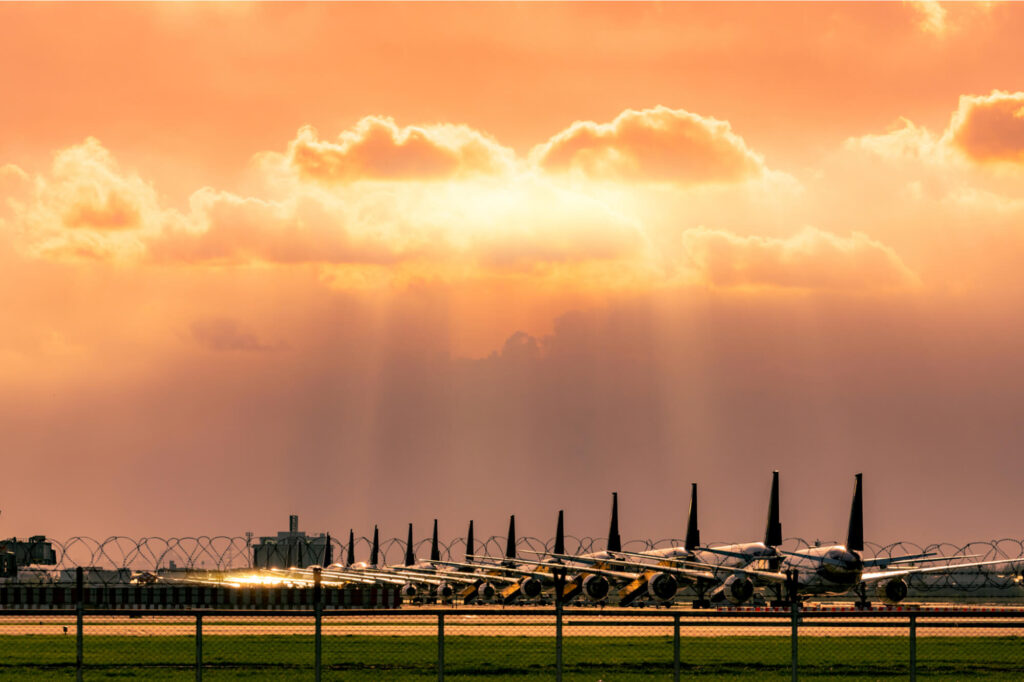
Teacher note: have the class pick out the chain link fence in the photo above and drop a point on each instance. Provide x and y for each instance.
(520, 644)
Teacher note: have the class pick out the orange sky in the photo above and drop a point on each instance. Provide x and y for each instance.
(373, 263)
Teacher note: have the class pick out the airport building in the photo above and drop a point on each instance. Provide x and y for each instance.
(15, 553)
(292, 548)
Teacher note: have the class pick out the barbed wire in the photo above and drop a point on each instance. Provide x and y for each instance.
(116, 555)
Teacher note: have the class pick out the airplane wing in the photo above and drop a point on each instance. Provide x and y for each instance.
(882, 575)
(489, 576)
(914, 559)
(767, 576)
(634, 566)
(625, 575)
(722, 552)
(885, 561)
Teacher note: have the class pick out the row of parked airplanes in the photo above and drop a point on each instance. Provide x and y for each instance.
(729, 573)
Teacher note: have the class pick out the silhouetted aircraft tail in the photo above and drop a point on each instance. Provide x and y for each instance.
(573, 585)
(469, 543)
(510, 546)
(351, 557)
(614, 541)
(328, 552)
(692, 531)
(855, 535)
(410, 558)
(560, 535)
(773, 531)
(375, 548)
(435, 552)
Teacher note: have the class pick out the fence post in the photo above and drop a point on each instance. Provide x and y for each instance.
(79, 607)
(795, 617)
(559, 589)
(199, 647)
(440, 647)
(558, 641)
(913, 648)
(318, 612)
(675, 649)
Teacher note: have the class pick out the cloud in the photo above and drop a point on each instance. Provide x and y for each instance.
(85, 206)
(810, 259)
(984, 128)
(931, 16)
(89, 191)
(659, 144)
(225, 334)
(442, 230)
(904, 140)
(378, 149)
(990, 127)
(227, 228)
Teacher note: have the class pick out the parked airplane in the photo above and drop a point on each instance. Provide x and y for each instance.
(417, 579)
(593, 574)
(661, 580)
(838, 569)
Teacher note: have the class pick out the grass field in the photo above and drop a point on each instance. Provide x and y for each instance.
(365, 658)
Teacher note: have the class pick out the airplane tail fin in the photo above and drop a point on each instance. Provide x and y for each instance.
(614, 541)
(435, 552)
(510, 547)
(560, 535)
(328, 552)
(855, 536)
(375, 549)
(773, 531)
(350, 558)
(469, 543)
(692, 531)
(410, 558)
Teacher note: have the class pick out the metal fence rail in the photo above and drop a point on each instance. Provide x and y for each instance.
(527, 643)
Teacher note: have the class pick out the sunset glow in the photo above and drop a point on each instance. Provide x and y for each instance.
(374, 263)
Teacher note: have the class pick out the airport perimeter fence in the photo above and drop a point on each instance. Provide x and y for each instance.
(464, 644)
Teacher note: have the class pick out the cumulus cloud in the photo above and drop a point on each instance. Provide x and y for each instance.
(810, 259)
(659, 144)
(378, 149)
(511, 225)
(226, 334)
(904, 140)
(990, 127)
(231, 229)
(86, 205)
(984, 128)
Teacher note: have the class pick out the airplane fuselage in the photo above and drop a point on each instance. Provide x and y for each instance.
(828, 570)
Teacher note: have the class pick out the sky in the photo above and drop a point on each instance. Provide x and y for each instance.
(386, 263)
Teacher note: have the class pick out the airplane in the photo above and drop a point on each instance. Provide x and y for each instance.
(723, 583)
(594, 573)
(521, 583)
(838, 569)
(414, 577)
(661, 580)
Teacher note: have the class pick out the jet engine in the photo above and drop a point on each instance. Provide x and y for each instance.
(409, 590)
(894, 590)
(595, 587)
(738, 589)
(444, 591)
(485, 591)
(662, 586)
(530, 587)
